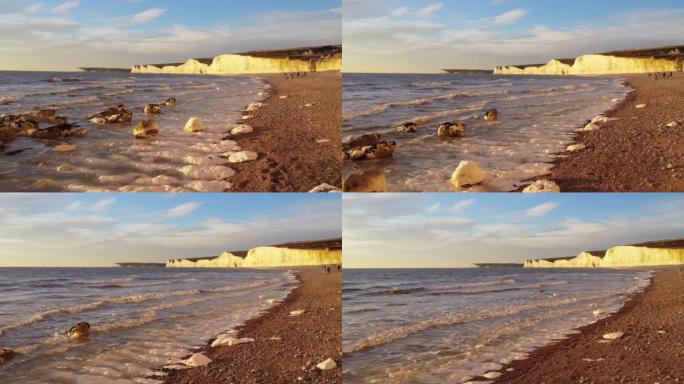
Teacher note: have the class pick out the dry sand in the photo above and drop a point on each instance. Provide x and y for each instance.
(299, 147)
(636, 153)
(651, 350)
(306, 340)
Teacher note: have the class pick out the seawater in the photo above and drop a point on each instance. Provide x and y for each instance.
(448, 326)
(110, 158)
(537, 119)
(142, 318)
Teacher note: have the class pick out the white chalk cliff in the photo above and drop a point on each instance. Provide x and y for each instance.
(242, 64)
(620, 256)
(595, 64)
(265, 257)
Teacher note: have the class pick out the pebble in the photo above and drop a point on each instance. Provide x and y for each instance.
(327, 365)
(244, 156)
(576, 147)
(613, 335)
(198, 360)
(297, 313)
(640, 106)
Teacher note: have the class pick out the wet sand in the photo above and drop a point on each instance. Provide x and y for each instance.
(298, 146)
(638, 152)
(651, 350)
(306, 340)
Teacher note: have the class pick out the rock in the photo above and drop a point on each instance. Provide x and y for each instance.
(575, 147)
(672, 124)
(297, 313)
(308, 105)
(98, 120)
(247, 117)
(44, 114)
(491, 115)
(598, 312)
(79, 331)
(589, 127)
(322, 141)
(195, 124)
(603, 119)
(198, 360)
(113, 115)
(6, 354)
(369, 181)
(408, 127)
(327, 365)
(613, 335)
(640, 106)
(229, 341)
(254, 106)
(57, 132)
(64, 148)
(170, 102)
(491, 375)
(380, 151)
(325, 188)
(152, 109)
(542, 186)
(145, 129)
(466, 174)
(241, 129)
(363, 141)
(244, 156)
(662, 332)
(283, 97)
(271, 301)
(448, 129)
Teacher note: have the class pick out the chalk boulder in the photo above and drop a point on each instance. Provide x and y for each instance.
(491, 375)
(369, 181)
(640, 106)
(325, 187)
(243, 156)
(195, 124)
(466, 174)
(448, 129)
(542, 186)
(229, 341)
(297, 313)
(575, 147)
(198, 360)
(241, 129)
(327, 365)
(613, 335)
(589, 127)
(145, 129)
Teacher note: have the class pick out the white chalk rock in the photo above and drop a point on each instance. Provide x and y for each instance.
(308, 105)
(589, 127)
(598, 312)
(229, 341)
(241, 129)
(467, 173)
(214, 172)
(98, 120)
(209, 186)
(603, 119)
(542, 186)
(241, 157)
(254, 106)
(297, 313)
(613, 335)
(198, 360)
(283, 97)
(272, 301)
(640, 106)
(491, 375)
(64, 148)
(325, 187)
(575, 147)
(195, 124)
(247, 117)
(672, 124)
(327, 365)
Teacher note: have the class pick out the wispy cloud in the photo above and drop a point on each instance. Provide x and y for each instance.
(34, 8)
(541, 209)
(66, 6)
(147, 16)
(183, 209)
(509, 17)
(430, 10)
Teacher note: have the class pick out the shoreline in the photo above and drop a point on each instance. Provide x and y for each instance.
(301, 342)
(649, 351)
(296, 135)
(637, 152)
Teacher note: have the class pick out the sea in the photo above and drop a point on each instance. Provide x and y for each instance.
(110, 158)
(142, 319)
(435, 326)
(537, 119)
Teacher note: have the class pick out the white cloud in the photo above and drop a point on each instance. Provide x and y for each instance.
(34, 8)
(541, 209)
(66, 6)
(183, 209)
(462, 205)
(509, 17)
(102, 205)
(400, 11)
(430, 10)
(147, 16)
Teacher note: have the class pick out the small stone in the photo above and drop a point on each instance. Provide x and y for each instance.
(195, 124)
(145, 129)
(613, 335)
(309, 105)
(98, 120)
(64, 148)
(244, 156)
(198, 360)
(297, 313)
(640, 106)
(598, 312)
(254, 106)
(542, 186)
(283, 97)
(247, 117)
(327, 365)
(466, 174)
(589, 127)
(662, 332)
(575, 147)
(325, 188)
(491, 115)
(241, 129)
(491, 375)
(409, 127)
(672, 124)
(229, 341)
(322, 141)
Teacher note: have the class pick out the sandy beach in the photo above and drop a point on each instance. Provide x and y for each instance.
(297, 136)
(287, 348)
(650, 351)
(638, 152)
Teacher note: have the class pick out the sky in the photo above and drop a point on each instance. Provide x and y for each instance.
(424, 36)
(97, 230)
(66, 34)
(433, 230)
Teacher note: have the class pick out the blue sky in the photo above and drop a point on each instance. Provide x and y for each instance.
(65, 34)
(427, 35)
(455, 230)
(101, 229)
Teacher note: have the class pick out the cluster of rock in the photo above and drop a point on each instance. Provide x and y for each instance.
(369, 147)
(28, 125)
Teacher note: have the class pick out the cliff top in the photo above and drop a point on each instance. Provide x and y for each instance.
(317, 244)
(669, 52)
(140, 265)
(677, 243)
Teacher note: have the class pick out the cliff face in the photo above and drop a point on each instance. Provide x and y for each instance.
(620, 256)
(595, 65)
(243, 64)
(265, 257)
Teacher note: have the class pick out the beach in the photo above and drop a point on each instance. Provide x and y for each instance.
(650, 351)
(286, 348)
(296, 134)
(638, 152)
